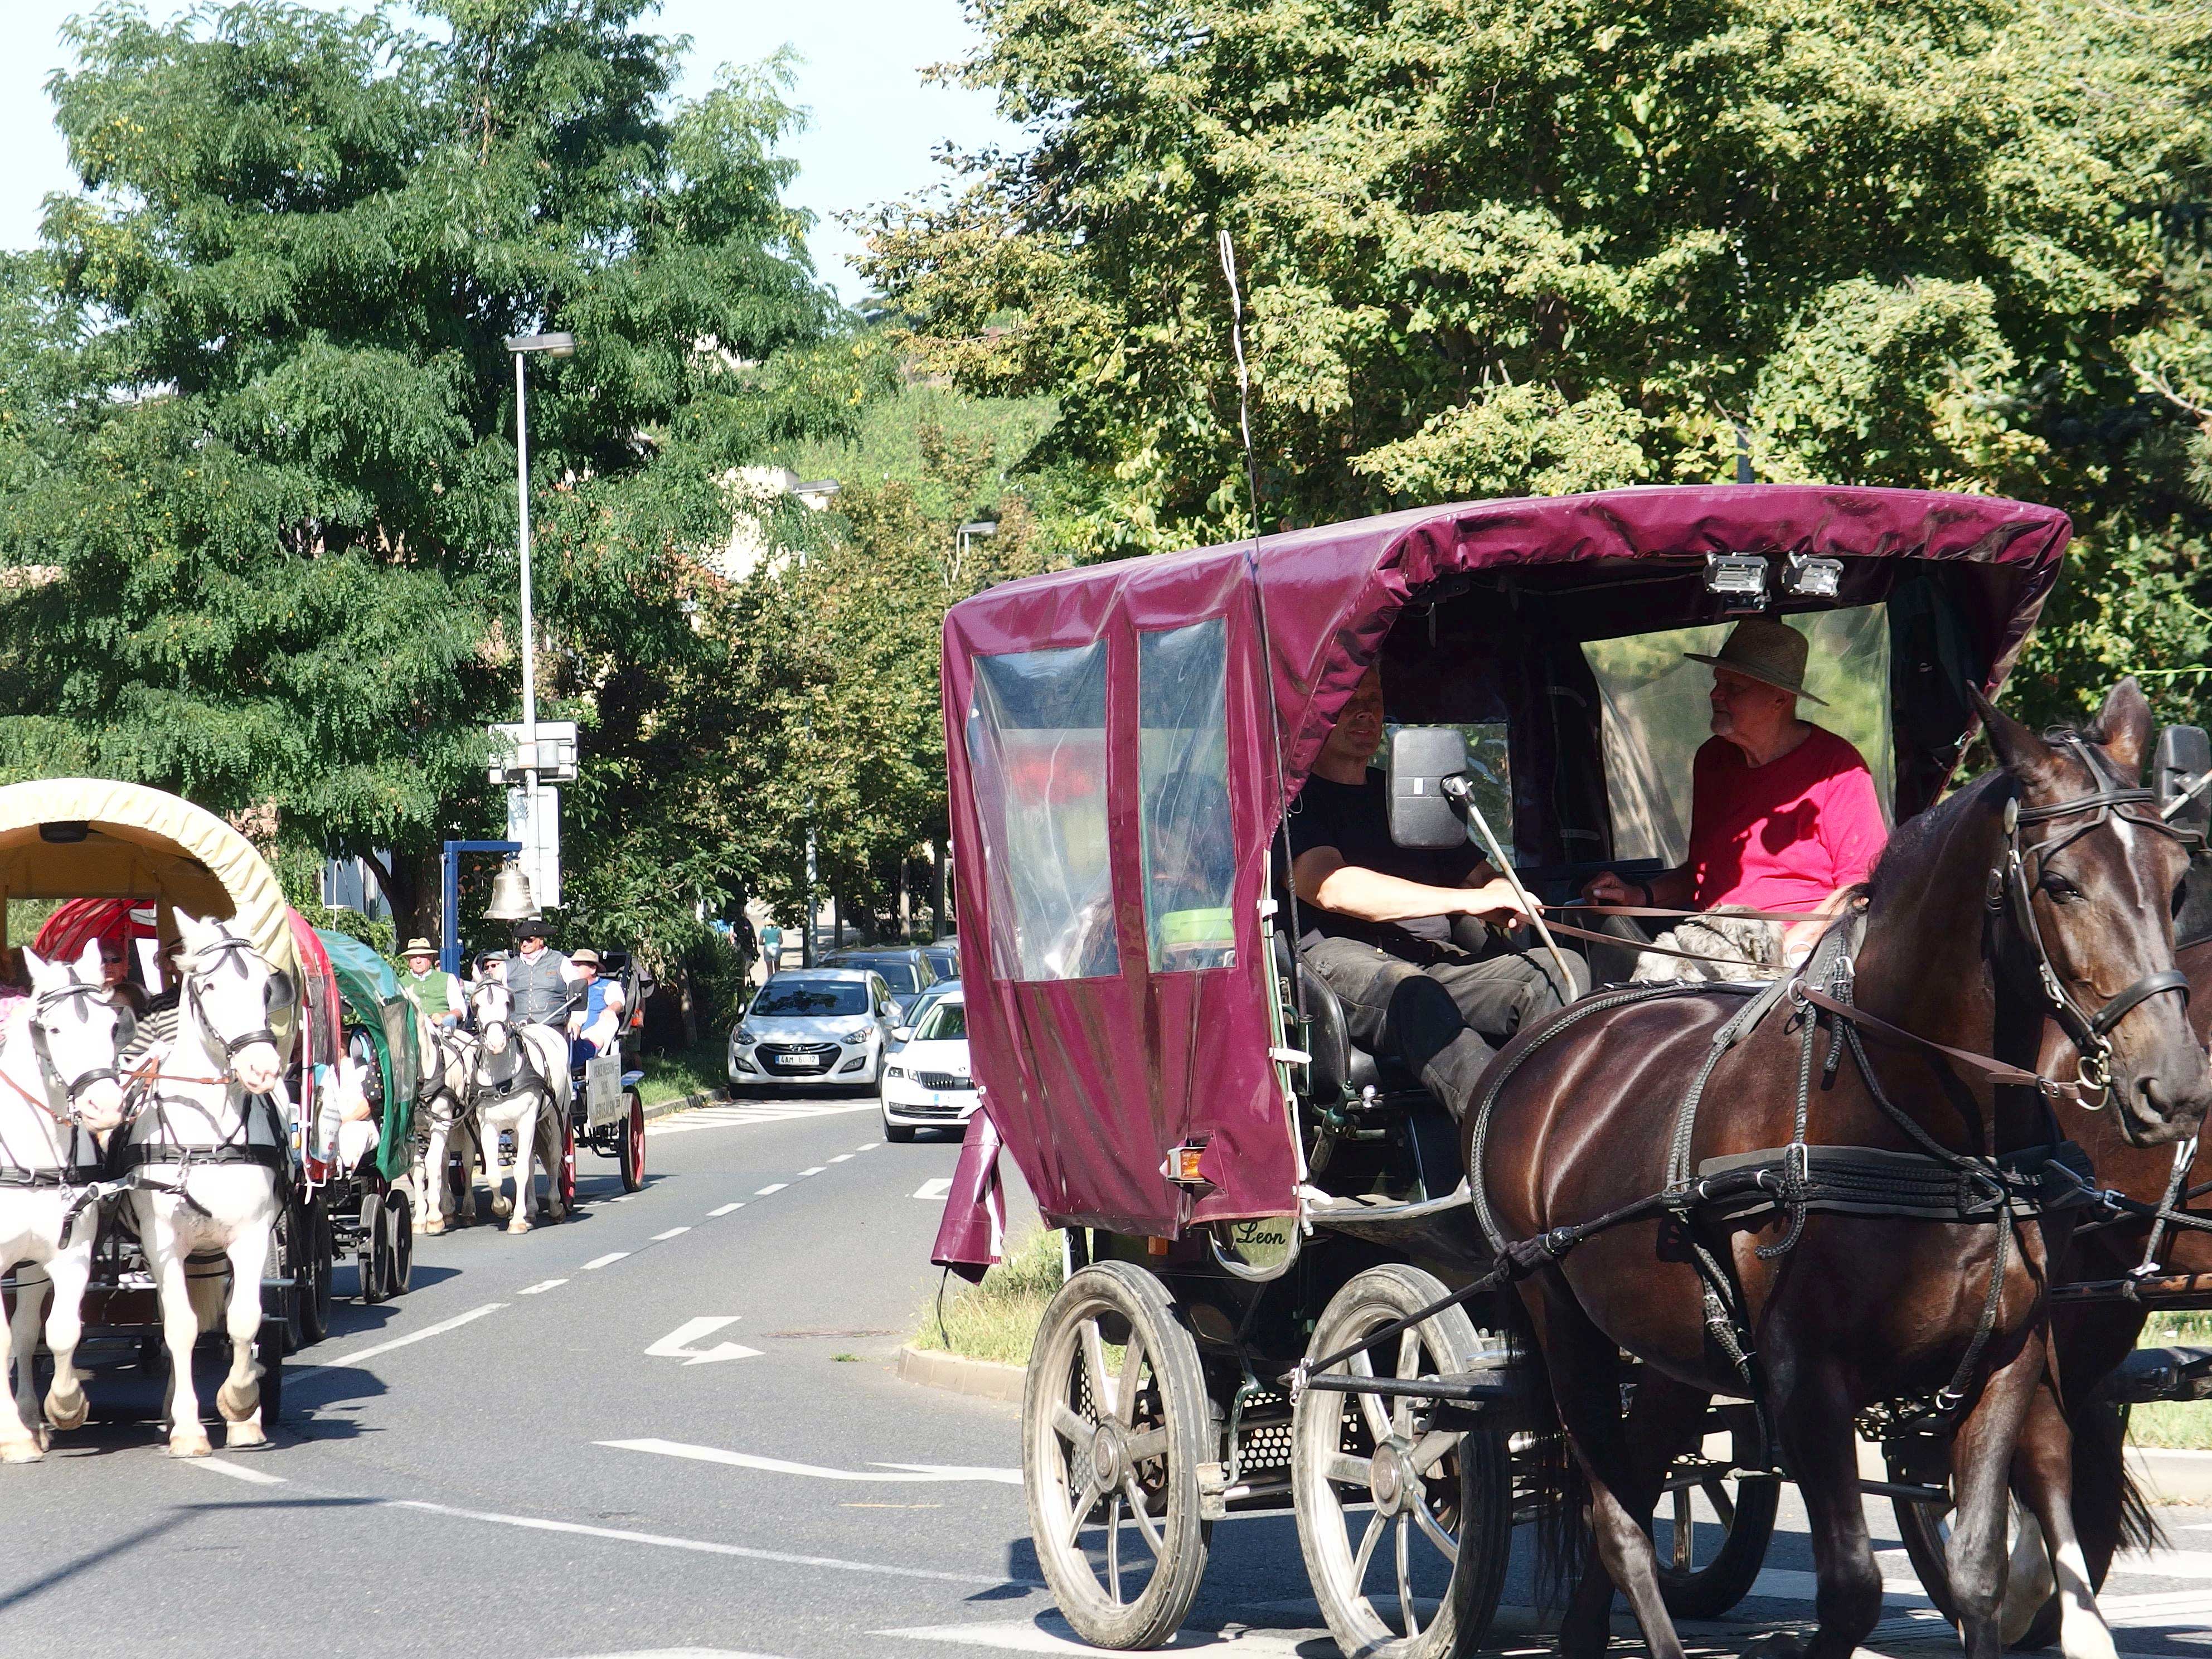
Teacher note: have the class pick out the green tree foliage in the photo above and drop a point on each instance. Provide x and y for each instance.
(257, 422)
(1492, 247)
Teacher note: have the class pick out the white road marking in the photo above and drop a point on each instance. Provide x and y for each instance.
(239, 1471)
(773, 1187)
(840, 1157)
(725, 1209)
(817, 1169)
(870, 1147)
(677, 1344)
(910, 1473)
(673, 1232)
(1049, 1633)
(541, 1287)
(740, 1551)
(937, 1190)
(2166, 1563)
(608, 1259)
(427, 1331)
(730, 1115)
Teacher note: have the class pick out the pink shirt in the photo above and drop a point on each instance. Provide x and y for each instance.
(1783, 836)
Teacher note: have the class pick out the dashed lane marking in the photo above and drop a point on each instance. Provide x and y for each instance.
(608, 1259)
(840, 1157)
(935, 1190)
(238, 1471)
(773, 1187)
(673, 1232)
(541, 1287)
(427, 1332)
(908, 1474)
(725, 1209)
(660, 1541)
(817, 1169)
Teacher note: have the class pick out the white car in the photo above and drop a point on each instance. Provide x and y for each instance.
(814, 1025)
(926, 1083)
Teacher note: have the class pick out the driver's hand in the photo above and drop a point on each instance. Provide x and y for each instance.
(1607, 887)
(1497, 904)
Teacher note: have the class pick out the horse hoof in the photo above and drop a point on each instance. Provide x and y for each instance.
(190, 1442)
(517, 1225)
(244, 1437)
(68, 1417)
(500, 1209)
(21, 1451)
(433, 1226)
(238, 1404)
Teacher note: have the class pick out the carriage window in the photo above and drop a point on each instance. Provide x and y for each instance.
(1190, 857)
(1657, 714)
(1037, 751)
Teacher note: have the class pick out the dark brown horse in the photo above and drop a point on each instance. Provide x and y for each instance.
(1861, 1309)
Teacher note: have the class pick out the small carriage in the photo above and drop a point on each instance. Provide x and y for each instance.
(366, 1203)
(1240, 1189)
(132, 856)
(605, 1111)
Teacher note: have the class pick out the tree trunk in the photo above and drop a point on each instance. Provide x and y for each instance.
(688, 1008)
(937, 927)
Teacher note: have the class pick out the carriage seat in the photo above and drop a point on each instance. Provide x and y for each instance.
(1340, 1067)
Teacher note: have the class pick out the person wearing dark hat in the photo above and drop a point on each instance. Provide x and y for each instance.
(435, 990)
(540, 981)
(1784, 816)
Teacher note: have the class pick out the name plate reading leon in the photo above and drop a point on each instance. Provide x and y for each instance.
(1262, 1243)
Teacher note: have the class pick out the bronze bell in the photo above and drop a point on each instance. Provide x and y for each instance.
(510, 895)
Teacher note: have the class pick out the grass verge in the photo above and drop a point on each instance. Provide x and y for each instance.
(693, 1070)
(2186, 1424)
(997, 1319)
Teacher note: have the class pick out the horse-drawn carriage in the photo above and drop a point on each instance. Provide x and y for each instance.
(183, 1208)
(363, 1193)
(1285, 1290)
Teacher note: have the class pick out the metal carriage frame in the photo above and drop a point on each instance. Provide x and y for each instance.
(1241, 1192)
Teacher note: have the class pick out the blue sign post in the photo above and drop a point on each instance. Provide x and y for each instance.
(449, 905)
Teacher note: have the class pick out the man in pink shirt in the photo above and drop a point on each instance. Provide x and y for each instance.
(1782, 816)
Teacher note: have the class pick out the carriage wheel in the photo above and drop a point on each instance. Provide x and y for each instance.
(567, 1172)
(2029, 1615)
(1114, 1424)
(375, 1256)
(633, 1147)
(268, 1349)
(315, 1297)
(398, 1217)
(1389, 1507)
(292, 1250)
(1718, 1525)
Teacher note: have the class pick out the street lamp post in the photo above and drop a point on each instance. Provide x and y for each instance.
(522, 346)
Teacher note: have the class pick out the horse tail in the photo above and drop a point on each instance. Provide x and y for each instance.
(1554, 1474)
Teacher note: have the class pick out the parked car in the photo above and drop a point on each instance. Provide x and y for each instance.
(815, 1025)
(945, 957)
(906, 971)
(926, 1084)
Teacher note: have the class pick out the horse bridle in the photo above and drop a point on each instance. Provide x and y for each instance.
(2012, 895)
(72, 1088)
(209, 955)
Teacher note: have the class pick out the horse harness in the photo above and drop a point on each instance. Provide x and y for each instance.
(83, 1159)
(1931, 1183)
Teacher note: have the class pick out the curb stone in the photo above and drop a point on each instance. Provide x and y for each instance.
(683, 1103)
(2172, 1475)
(983, 1379)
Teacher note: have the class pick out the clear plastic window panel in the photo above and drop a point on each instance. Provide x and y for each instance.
(1036, 753)
(1658, 712)
(1189, 855)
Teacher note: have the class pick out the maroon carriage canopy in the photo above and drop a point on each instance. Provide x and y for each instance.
(1110, 736)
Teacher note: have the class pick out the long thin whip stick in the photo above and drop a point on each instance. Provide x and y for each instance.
(1534, 910)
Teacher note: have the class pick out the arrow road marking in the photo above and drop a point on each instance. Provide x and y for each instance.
(911, 1473)
(677, 1344)
(936, 1191)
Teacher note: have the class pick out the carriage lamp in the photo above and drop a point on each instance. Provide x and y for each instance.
(1182, 1165)
(1808, 576)
(1736, 576)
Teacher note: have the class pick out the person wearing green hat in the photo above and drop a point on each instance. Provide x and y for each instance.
(1783, 816)
(434, 989)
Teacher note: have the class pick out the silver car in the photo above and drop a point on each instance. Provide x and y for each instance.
(815, 1025)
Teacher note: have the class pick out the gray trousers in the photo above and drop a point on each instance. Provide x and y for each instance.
(1442, 1020)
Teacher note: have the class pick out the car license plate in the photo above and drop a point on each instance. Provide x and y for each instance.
(794, 1060)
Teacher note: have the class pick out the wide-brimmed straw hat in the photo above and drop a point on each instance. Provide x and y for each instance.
(1772, 653)
(586, 957)
(419, 946)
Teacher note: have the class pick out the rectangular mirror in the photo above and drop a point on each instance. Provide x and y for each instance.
(2184, 757)
(1421, 758)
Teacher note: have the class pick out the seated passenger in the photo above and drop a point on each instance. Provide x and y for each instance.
(594, 1028)
(1782, 816)
(1377, 922)
(437, 992)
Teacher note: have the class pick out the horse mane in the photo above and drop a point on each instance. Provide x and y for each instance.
(1914, 842)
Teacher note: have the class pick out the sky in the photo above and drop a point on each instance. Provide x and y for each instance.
(874, 124)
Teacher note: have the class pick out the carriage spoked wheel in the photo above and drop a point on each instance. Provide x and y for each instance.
(1719, 1508)
(1114, 1424)
(314, 1293)
(633, 1145)
(269, 1350)
(1405, 1526)
(566, 1180)
(398, 1219)
(2029, 1615)
(375, 1254)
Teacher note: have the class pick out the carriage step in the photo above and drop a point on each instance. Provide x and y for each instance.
(2149, 1374)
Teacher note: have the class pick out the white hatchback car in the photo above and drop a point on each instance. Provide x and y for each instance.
(926, 1083)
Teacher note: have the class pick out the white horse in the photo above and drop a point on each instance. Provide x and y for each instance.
(57, 1077)
(447, 1118)
(199, 1136)
(520, 1084)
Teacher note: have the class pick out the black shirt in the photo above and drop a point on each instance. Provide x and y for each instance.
(1355, 819)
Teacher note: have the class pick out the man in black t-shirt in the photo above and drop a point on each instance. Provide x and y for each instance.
(1377, 922)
